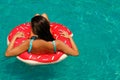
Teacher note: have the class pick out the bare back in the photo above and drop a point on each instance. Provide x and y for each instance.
(42, 47)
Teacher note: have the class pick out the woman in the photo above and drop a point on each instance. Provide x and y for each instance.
(41, 40)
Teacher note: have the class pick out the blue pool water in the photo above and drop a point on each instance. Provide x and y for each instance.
(96, 28)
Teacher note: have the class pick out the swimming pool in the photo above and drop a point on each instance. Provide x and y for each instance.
(96, 28)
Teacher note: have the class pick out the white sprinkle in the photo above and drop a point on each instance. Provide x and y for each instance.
(22, 27)
(55, 27)
(58, 52)
(51, 25)
(26, 27)
(60, 30)
(52, 57)
(38, 57)
(30, 56)
(56, 37)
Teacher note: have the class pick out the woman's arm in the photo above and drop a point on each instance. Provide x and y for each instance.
(45, 15)
(66, 49)
(11, 51)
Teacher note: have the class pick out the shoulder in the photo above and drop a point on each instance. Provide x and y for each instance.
(58, 42)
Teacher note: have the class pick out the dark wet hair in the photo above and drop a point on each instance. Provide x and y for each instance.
(41, 28)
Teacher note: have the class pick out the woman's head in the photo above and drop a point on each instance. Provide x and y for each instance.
(41, 28)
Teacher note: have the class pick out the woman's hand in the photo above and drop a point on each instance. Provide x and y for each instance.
(65, 34)
(19, 35)
(11, 51)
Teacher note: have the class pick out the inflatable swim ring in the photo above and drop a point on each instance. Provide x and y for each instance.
(39, 59)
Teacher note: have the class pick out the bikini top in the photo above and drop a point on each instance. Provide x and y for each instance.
(33, 38)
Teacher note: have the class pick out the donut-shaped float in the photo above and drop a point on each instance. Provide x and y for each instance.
(39, 59)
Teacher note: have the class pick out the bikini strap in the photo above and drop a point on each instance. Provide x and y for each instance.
(30, 45)
(31, 41)
(54, 46)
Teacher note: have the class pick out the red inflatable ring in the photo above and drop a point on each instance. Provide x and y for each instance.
(39, 59)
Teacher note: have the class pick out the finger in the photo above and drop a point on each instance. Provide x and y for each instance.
(21, 33)
(62, 31)
(62, 34)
